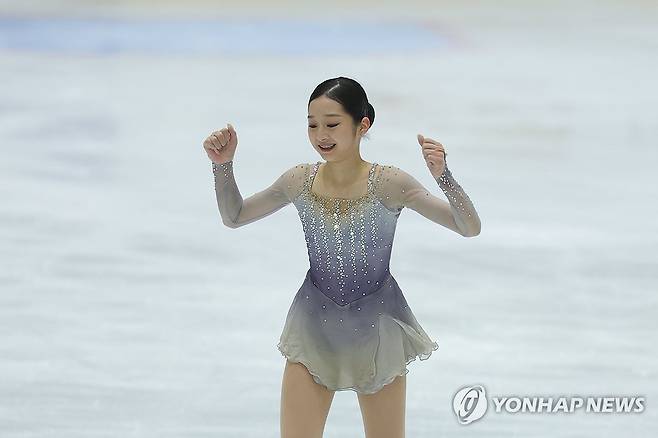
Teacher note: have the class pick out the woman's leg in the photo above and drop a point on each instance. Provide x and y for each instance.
(383, 412)
(304, 403)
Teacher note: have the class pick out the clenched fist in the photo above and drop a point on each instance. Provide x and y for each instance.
(220, 145)
(434, 154)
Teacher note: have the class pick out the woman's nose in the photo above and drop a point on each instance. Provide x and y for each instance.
(320, 134)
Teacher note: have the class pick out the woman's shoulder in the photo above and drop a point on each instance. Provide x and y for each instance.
(393, 182)
(388, 175)
(293, 179)
(389, 167)
(297, 169)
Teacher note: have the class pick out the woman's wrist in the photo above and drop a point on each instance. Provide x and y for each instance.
(445, 173)
(222, 164)
(224, 168)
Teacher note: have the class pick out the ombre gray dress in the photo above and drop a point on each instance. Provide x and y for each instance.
(349, 323)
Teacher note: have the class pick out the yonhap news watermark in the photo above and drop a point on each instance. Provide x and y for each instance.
(471, 403)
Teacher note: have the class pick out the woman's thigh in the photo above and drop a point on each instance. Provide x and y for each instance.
(383, 412)
(304, 403)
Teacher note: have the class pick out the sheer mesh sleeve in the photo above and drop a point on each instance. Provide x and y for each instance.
(236, 211)
(398, 189)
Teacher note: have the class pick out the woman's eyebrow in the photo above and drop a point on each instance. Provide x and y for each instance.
(326, 115)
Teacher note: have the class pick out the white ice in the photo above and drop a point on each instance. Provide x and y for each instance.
(128, 310)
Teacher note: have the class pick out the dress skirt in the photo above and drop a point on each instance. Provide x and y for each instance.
(361, 346)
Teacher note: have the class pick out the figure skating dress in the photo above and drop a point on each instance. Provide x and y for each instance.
(349, 323)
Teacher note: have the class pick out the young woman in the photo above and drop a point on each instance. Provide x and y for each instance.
(349, 326)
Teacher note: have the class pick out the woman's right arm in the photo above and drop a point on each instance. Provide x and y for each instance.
(236, 211)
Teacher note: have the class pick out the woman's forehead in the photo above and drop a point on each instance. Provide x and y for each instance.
(324, 105)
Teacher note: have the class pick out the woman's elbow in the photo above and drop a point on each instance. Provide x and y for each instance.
(472, 232)
(468, 230)
(230, 223)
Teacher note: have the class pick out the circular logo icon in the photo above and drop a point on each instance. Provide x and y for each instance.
(470, 403)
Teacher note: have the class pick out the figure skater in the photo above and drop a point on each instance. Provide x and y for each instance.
(349, 326)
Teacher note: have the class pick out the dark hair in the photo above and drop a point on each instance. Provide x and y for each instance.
(350, 94)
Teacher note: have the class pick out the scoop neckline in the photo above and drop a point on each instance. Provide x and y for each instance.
(369, 184)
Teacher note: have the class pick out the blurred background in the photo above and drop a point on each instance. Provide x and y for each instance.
(128, 310)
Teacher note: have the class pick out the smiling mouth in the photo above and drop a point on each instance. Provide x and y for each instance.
(327, 147)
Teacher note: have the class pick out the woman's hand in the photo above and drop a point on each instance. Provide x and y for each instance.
(220, 145)
(435, 155)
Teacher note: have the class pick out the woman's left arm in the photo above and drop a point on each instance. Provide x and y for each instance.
(457, 214)
(462, 209)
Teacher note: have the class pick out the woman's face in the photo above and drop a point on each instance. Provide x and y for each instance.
(329, 124)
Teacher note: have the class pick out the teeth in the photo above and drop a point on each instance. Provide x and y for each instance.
(327, 146)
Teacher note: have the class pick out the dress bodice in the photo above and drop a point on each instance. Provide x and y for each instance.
(349, 240)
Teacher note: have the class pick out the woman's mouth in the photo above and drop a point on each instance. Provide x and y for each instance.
(327, 147)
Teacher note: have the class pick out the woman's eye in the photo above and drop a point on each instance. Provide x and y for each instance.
(331, 126)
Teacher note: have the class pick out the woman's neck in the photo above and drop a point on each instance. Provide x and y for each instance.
(344, 173)
(341, 180)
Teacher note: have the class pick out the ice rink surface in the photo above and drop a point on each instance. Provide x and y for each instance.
(128, 310)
